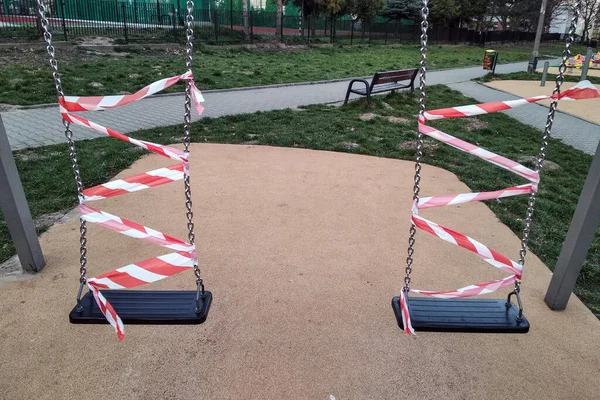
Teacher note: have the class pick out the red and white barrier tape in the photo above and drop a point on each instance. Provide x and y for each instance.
(482, 153)
(132, 229)
(453, 199)
(94, 103)
(133, 275)
(583, 90)
(408, 328)
(108, 311)
(135, 183)
(142, 272)
(471, 290)
(165, 151)
(153, 269)
(492, 257)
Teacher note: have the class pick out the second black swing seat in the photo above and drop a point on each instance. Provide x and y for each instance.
(462, 315)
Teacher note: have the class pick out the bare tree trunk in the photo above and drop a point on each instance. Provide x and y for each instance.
(538, 38)
(246, 19)
(313, 22)
(38, 24)
(279, 23)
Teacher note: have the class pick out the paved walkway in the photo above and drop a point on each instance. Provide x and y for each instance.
(42, 126)
(579, 133)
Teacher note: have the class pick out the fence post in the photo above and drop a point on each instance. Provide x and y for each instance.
(578, 240)
(64, 25)
(282, 23)
(586, 64)
(16, 211)
(370, 30)
(309, 29)
(250, 14)
(545, 73)
(231, 13)
(124, 22)
(351, 31)
(135, 11)
(174, 21)
(387, 25)
(216, 26)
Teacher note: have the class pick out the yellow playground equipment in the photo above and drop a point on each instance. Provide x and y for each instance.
(578, 60)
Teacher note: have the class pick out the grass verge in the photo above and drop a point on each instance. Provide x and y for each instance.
(49, 185)
(25, 76)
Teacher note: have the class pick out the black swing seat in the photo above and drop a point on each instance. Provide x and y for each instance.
(462, 315)
(145, 307)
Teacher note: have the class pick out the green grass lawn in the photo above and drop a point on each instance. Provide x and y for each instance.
(25, 77)
(48, 180)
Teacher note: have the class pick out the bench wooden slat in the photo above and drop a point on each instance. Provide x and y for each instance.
(392, 76)
(388, 87)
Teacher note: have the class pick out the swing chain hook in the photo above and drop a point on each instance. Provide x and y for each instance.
(69, 135)
(542, 154)
(419, 153)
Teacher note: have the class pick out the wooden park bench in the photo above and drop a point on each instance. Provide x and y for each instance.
(384, 82)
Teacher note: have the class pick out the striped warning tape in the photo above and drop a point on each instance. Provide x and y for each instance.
(165, 151)
(132, 275)
(132, 229)
(482, 153)
(492, 257)
(142, 272)
(454, 199)
(583, 90)
(108, 311)
(135, 183)
(153, 269)
(471, 290)
(95, 103)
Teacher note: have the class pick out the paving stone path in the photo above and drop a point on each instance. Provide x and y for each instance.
(42, 126)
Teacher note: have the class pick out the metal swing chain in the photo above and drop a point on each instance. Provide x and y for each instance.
(419, 154)
(547, 130)
(189, 33)
(69, 135)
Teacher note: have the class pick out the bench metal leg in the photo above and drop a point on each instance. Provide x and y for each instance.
(347, 95)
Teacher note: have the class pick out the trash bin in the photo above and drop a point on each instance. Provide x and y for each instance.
(490, 58)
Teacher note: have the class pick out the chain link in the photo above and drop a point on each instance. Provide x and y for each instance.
(189, 33)
(419, 154)
(69, 135)
(547, 131)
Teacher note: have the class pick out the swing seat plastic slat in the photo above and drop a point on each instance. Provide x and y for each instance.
(462, 315)
(145, 307)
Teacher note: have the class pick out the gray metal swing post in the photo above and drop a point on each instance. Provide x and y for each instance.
(579, 238)
(16, 211)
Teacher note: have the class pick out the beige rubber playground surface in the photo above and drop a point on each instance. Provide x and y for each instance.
(303, 251)
(587, 110)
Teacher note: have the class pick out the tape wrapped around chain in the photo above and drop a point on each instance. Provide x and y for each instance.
(582, 91)
(156, 268)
